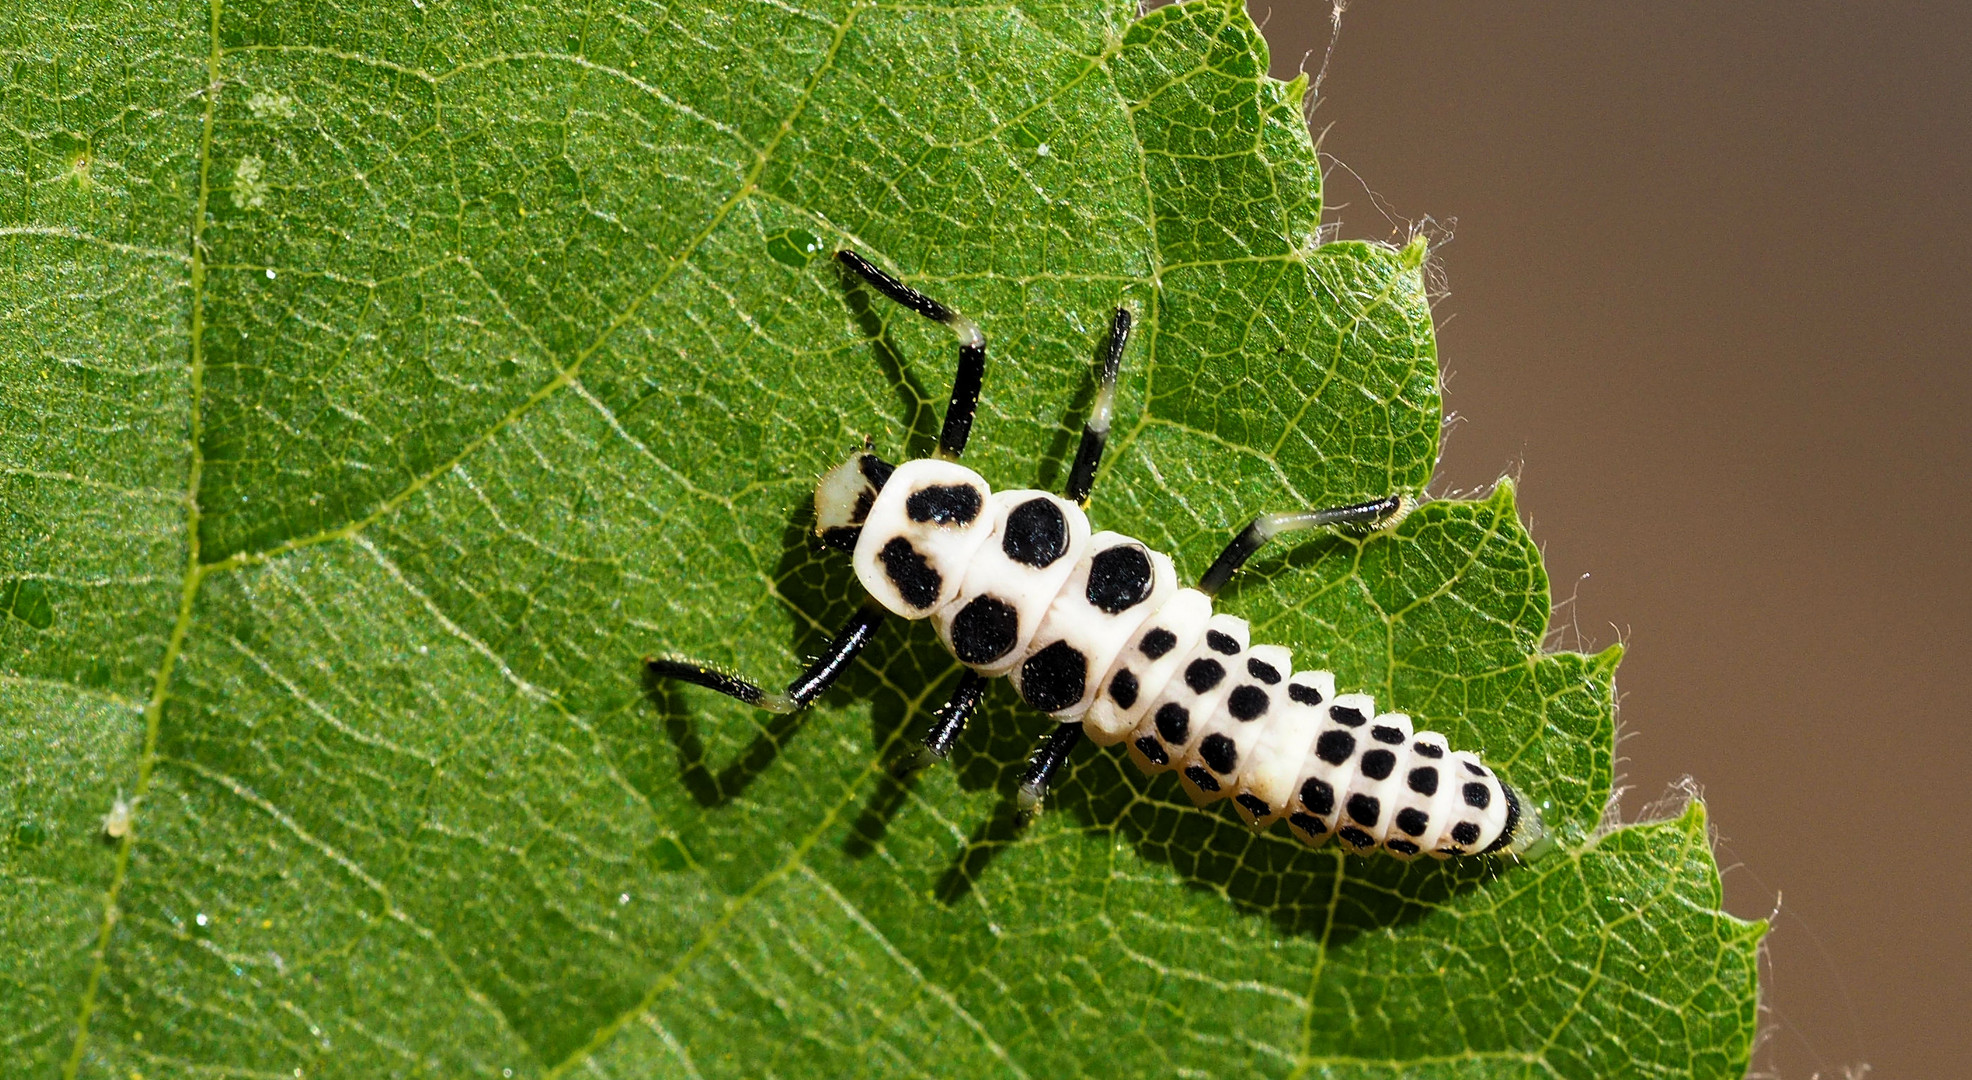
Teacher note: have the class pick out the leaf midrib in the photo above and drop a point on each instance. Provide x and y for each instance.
(188, 590)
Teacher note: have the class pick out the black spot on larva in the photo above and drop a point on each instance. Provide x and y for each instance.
(1466, 832)
(1378, 764)
(1119, 578)
(1307, 823)
(1262, 671)
(1425, 749)
(1247, 703)
(1318, 796)
(1157, 643)
(1365, 809)
(1401, 847)
(1222, 642)
(1035, 534)
(1478, 796)
(1054, 678)
(1174, 723)
(1384, 733)
(1335, 747)
(1424, 780)
(1412, 820)
(876, 470)
(1123, 688)
(1254, 804)
(1512, 821)
(1343, 714)
(1153, 751)
(1306, 695)
(1476, 770)
(1197, 775)
(1219, 752)
(916, 581)
(984, 630)
(1203, 674)
(843, 537)
(943, 504)
(865, 499)
(1355, 836)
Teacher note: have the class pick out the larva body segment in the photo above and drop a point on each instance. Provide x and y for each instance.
(1256, 682)
(1170, 727)
(1420, 802)
(1154, 652)
(1036, 541)
(920, 535)
(1266, 785)
(1369, 804)
(1118, 584)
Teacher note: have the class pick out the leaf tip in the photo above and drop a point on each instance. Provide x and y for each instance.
(1694, 821)
(1504, 497)
(1412, 255)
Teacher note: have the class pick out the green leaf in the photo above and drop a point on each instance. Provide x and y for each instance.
(379, 384)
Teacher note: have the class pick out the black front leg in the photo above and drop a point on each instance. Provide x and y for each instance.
(811, 684)
(971, 371)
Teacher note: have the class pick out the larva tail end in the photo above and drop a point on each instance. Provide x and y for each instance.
(1531, 841)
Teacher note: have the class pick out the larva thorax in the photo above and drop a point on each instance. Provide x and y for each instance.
(1092, 627)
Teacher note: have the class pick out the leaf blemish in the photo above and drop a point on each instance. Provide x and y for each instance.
(249, 190)
(270, 106)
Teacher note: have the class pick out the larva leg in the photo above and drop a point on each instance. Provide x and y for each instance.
(1095, 433)
(950, 722)
(812, 683)
(1267, 526)
(1034, 783)
(972, 350)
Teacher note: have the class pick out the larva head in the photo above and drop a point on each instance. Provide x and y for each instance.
(845, 495)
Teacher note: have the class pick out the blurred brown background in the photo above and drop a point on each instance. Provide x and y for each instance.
(1708, 300)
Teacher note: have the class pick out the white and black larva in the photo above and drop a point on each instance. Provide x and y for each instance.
(1093, 629)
